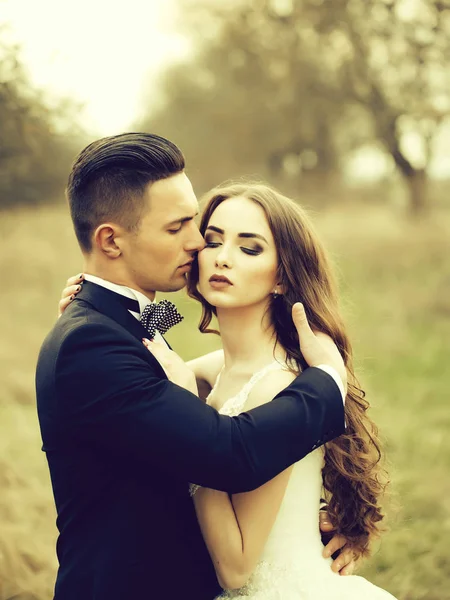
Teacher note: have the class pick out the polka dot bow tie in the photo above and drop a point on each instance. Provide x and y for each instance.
(160, 316)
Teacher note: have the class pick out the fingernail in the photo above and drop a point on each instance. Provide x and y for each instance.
(80, 276)
(71, 298)
(338, 566)
(78, 288)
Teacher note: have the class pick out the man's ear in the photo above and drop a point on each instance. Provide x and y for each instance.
(105, 240)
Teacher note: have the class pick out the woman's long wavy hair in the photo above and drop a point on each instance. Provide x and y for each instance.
(353, 477)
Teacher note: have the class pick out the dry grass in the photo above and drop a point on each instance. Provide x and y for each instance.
(396, 287)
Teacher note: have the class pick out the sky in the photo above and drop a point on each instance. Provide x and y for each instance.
(98, 52)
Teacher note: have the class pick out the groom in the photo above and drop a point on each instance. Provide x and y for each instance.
(122, 442)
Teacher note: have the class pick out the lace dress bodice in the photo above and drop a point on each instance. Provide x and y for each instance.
(291, 565)
(235, 405)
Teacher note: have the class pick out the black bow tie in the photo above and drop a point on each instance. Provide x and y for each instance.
(160, 316)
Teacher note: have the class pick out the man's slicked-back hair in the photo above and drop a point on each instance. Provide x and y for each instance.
(109, 178)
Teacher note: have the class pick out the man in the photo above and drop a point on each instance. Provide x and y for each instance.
(122, 442)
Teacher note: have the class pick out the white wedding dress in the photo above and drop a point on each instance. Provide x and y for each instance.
(291, 565)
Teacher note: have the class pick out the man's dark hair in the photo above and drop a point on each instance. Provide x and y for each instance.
(109, 178)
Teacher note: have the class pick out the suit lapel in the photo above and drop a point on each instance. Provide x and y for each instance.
(107, 303)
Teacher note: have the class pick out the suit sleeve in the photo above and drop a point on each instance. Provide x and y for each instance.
(111, 394)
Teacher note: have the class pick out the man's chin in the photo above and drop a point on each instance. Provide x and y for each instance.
(176, 286)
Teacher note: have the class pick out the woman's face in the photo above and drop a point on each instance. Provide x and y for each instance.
(238, 266)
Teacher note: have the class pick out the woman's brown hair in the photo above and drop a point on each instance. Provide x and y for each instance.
(352, 476)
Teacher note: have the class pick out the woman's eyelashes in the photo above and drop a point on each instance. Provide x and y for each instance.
(252, 251)
(209, 244)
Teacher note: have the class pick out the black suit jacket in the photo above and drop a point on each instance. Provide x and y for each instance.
(122, 443)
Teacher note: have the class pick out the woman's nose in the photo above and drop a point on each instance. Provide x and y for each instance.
(223, 258)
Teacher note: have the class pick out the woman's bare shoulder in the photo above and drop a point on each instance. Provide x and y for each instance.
(207, 367)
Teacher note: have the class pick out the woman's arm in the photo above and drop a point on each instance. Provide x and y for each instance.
(206, 368)
(236, 528)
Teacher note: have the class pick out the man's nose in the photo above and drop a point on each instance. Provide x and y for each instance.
(196, 241)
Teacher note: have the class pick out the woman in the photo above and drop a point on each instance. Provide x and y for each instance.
(261, 256)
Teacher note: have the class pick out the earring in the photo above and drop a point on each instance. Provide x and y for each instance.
(275, 294)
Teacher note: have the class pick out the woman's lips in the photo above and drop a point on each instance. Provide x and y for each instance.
(219, 282)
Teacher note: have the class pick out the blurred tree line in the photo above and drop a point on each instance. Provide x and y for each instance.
(290, 89)
(36, 148)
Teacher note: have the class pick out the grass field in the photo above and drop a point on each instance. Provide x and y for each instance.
(395, 281)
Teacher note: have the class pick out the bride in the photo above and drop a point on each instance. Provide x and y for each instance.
(262, 255)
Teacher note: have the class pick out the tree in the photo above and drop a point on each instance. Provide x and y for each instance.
(34, 152)
(286, 88)
(243, 103)
(395, 70)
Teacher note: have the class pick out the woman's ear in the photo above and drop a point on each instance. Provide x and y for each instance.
(281, 290)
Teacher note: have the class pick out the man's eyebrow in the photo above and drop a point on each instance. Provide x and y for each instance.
(181, 220)
(241, 235)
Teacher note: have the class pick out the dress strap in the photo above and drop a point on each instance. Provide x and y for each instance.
(273, 366)
(235, 405)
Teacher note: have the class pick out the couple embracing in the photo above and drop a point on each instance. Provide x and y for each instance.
(201, 480)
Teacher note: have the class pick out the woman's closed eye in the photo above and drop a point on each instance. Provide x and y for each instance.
(252, 251)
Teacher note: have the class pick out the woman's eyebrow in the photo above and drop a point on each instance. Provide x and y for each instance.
(241, 235)
(253, 235)
(216, 229)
